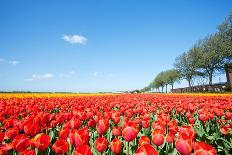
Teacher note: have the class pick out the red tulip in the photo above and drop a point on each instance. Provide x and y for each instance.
(4, 148)
(64, 133)
(201, 148)
(186, 132)
(60, 146)
(145, 124)
(184, 147)
(21, 142)
(101, 144)
(191, 120)
(2, 135)
(8, 123)
(170, 138)
(116, 146)
(11, 133)
(28, 152)
(31, 128)
(102, 126)
(130, 131)
(146, 150)
(146, 117)
(92, 123)
(224, 130)
(116, 131)
(79, 137)
(115, 117)
(41, 141)
(82, 150)
(157, 139)
(75, 123)
(218, 112)
(144, 140)
(203, 117)
(228, 115)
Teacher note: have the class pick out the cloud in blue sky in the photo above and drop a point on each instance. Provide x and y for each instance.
(68, 75)
(46, 76)
(13, 62)
(75, 39)
(95, 73)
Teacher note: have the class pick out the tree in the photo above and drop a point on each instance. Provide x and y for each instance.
(225, 33)
(147, 88)
(159, 81)
(211, 58)
(185, 64)
(173, 76)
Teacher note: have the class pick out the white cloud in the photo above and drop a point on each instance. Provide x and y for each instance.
(75, 39)
(46, 76)
(42, 76)
(68, 75)
(95, 74)
(13, 62)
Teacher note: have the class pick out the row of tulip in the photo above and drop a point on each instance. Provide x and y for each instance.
(140, 124)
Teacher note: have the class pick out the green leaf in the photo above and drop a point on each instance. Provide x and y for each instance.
(52, 134)
(172, 152)
(161, 152)
(48, 151)
(210, 138)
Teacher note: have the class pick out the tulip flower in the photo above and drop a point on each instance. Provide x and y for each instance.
(11, 133)
(170, 138)
(31, 128)
(201, 148)
(4, 148)
(79, 137)
(129, 131)
(184, 147)
(28, 152)
(224, 130)
(2, 135)
(146, 150)
(64, 133)
(41, 141)
(75, 123)
(186, 132)
(82, 150)
(101, 144)
(145, 124)
(60, 146)
(21, 142)
(157, 139)
(102, 126)
(116, 131)
(116, 146)
(144, 140)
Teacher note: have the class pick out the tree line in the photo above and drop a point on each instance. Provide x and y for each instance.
(205, 59)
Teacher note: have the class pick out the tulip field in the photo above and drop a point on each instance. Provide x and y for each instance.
(123, 124)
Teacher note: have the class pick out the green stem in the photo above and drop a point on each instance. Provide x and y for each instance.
(128, 148)
(166, 148)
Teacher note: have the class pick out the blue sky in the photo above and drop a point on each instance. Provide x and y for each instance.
(101, 45)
